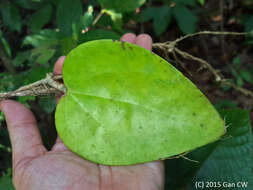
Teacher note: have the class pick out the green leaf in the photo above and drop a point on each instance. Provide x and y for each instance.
(121, 6)
(68, 12)
(20, 58)
(237, 61)
(28, 4)
(11, 16)
(24, 100)
(246, 75)
(232, 159)
(43, 38)
(42, 54)
(116, 18)
(35, 73)
(202, 2)
(67, 44)
(98, 34)
(87, 18)
(47, 104)
(148, 14)
(9, 82)
(249, 24)
(186, 20)
(5, 44)
(186, 2)
(225, 104)
(6, 182)
(162, 20)
(79, 27)
(239, 81)
(40, 18)
(119, 96)
(161, 17)
(1, 117)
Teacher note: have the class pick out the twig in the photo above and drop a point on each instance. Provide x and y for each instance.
(215, 33)
(203, 62)
(237, 88)
(180, 62)
(97, 18)
(46, 86)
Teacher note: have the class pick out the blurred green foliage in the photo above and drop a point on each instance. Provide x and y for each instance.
(34, 33)
(241, 75)
(6, 181)
(162, 15)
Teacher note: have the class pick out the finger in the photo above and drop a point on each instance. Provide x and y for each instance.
(58, 65)
(59, 146)
(24, 134)
(145, 41)
(58, 71)
(129, 37)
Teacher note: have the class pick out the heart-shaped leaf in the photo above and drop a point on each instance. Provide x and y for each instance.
(125, 105)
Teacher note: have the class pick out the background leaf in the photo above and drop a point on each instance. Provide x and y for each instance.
(161, 17)
(185, 2)
(47, 104)
(246, 75)
(28, 4)
(202, 2)
(11, 16)
(116, 18)
(121, 6)
(43, 38)
(68, 12)
(186, 20)
(98, 34)
(5, 44)
(6, 181)
(40, 18)
(87, 18)
(42, 54)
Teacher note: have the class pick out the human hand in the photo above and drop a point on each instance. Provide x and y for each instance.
(35, 168)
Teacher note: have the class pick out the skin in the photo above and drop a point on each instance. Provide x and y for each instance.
(34, 167)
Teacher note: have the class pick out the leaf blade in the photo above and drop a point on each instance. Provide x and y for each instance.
(114, 107)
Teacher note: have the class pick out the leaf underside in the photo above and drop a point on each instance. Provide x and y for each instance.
(125, 105)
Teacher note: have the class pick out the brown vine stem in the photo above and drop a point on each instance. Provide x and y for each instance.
(46, 86)
(97, 18)
(52, 85)
(170, 48)
(188, 56)
(214, 33)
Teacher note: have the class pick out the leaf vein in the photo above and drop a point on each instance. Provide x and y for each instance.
(121, 101)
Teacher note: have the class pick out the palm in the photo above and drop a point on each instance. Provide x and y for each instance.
(64, 170)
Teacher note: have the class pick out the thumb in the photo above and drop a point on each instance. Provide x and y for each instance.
(22, 126)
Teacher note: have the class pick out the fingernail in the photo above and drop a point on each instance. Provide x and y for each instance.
(61, 59)
(128, 37)
(58, 65)
(145, 41)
